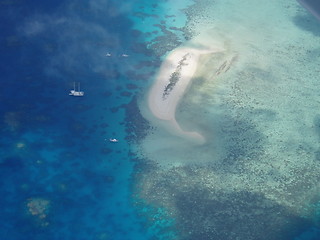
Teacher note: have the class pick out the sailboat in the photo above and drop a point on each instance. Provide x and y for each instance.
(76, 93)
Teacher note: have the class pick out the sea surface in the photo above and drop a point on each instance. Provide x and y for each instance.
(61, 177)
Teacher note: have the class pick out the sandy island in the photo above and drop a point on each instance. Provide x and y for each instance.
(173, 79)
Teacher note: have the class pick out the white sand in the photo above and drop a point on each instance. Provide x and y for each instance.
(164, 106)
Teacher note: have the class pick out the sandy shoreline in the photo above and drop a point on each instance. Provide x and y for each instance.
(173, 79)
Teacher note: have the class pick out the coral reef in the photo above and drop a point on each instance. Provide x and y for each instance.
(39, 208)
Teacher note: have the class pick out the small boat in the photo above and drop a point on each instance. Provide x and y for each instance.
(76, 93)
(113, 140)
(108, 55)
(124, 55)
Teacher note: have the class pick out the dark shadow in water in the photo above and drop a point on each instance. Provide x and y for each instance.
(235, 215)
(241, 140)
(12, 163)
(234, 138)
(307, 22)
(310, 234)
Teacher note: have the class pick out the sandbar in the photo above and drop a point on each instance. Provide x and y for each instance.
(171, 83)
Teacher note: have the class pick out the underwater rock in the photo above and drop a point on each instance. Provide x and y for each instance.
(39, 208)
(136, 126)
(106, 150)
(114, 109)
(131, 86)
(20, 145)
(107, 94)
(126, 94)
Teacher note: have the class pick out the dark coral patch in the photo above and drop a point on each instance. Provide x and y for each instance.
(131, 86)
(104, 125)
(126, 94)
(114, 109)
(109, 179)
(107, 93)
(136, 126)
(106, 150)
(13, 163)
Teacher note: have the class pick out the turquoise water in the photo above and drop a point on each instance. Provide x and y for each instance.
(259, 166)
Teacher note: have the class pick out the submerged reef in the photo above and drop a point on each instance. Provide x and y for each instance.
(202, 211)
(257, 176)
(164, 43)
(137, 127)
(39, 208)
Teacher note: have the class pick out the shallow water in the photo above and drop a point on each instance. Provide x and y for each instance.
(256, 105)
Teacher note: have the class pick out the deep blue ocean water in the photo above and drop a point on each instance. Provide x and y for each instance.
(55, 149)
